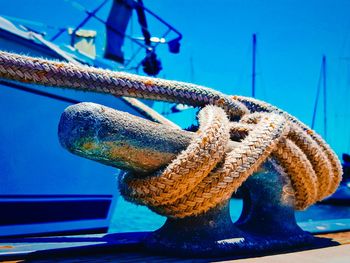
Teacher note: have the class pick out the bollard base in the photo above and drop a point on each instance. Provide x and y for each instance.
(267, 223)
(234, 243)
(214, 235)
(208, 234)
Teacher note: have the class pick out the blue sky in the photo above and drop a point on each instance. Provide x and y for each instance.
(292, 37)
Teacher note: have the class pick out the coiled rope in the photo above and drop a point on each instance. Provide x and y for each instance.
(204, 175)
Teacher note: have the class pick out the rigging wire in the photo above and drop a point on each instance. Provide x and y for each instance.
(316, 100)
(33, 23)
(38, 92)
(90, 14)
(139, 6)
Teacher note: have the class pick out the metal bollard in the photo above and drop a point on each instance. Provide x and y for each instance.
(118, 139)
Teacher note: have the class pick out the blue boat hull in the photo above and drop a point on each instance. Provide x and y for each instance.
(45, 189)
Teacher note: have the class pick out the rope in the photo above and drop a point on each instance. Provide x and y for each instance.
(60, 74)
(205, 174)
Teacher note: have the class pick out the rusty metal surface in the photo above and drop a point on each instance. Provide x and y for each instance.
(120, 139)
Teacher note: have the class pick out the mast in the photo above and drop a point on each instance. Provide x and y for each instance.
(322, 82)
(254, 65)
(324, 78)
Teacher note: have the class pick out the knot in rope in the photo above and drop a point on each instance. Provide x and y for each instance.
(205, 174)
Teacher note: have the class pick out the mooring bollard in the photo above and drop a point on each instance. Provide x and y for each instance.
(134, 144)
(192, 186)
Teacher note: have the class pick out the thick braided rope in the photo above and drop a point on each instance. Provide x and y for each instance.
(300, 171)
(190, 167)
(60, 74)
(307, 135)
(203, 176)
(238, 165)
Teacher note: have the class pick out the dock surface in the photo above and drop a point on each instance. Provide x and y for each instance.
(126, 247)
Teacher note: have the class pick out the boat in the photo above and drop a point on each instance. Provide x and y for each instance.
(44, 189)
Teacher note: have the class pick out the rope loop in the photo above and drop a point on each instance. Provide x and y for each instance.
(189, 168)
